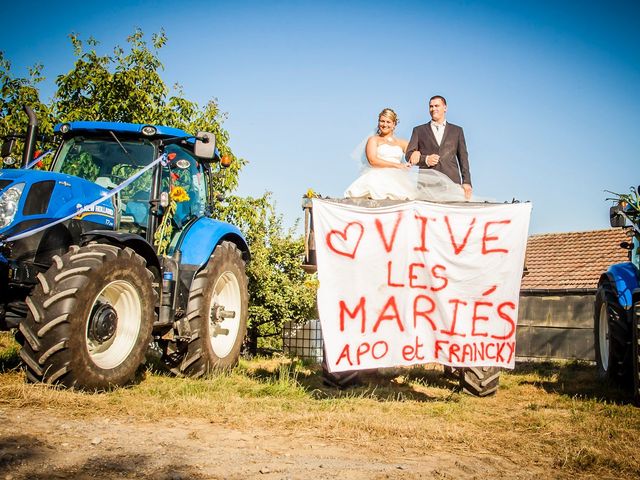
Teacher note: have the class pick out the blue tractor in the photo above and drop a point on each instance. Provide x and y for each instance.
(113, 249)
(617, 304)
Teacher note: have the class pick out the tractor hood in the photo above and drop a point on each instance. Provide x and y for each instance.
(32, 198)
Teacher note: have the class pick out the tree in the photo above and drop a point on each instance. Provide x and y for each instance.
(279, 289)
(126, 86)
(15, 92)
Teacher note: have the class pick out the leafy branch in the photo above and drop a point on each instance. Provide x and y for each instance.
(162, 237)
(630, 202)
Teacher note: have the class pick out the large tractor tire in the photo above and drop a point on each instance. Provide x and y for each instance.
(340, 380)
(479, 381)
(612, 336)
(217, 314)
(451, 373)
(90, 319)
(636, 351)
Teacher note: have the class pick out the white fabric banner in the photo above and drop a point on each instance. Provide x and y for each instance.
(419, 282)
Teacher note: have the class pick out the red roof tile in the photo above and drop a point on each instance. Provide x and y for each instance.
(565, 261)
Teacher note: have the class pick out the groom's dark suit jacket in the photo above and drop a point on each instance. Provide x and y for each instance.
(454, 159)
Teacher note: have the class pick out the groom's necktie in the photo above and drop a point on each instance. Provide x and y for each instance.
(439, 131)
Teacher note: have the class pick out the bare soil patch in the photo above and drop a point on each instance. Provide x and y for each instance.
(55, 446)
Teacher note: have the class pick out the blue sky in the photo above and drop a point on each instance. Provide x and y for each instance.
(547, 91)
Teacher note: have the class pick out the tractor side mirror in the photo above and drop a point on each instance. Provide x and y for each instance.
(205, 147)
(616, 219)
(7, 146)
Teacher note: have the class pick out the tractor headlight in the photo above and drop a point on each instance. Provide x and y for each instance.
(9, 204)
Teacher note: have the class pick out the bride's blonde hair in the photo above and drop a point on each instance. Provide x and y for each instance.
(390, 114)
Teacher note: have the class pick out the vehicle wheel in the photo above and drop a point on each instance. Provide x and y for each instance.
(612, 336)
(90, 318)
(217, 313)
(479, 381)
(451, 373)
(340, 380)
(636, 352)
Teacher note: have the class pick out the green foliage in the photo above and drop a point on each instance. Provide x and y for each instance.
(121, 87)
(279, 289)
(15, 92)
(126, 86)
(9, 352)
(162, 237)
(630, 200)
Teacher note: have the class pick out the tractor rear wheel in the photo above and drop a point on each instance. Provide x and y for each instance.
(479, 381)
(451, 373)
(90, 318)
(612, 336)
(340, 380)
(217, 313)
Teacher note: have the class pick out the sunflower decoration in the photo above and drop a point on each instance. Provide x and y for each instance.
(179, 194)
(162, 237)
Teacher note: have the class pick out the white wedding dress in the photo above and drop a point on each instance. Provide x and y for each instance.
(403, 184)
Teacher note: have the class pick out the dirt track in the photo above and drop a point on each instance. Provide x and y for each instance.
(38, 446)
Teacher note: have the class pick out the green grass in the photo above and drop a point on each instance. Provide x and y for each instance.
(9, 353)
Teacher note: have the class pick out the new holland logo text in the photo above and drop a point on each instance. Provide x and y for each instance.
(97, 209)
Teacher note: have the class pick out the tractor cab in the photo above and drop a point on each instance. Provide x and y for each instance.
(110, 154)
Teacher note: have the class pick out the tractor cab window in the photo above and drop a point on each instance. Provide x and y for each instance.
(109, 162)
(103, 160)
(186, 172)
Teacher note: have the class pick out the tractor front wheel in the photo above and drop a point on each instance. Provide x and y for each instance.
(217, 313)
(636, 351)
(479, 381)
(611, 335)
(340, 380)
(90, 318)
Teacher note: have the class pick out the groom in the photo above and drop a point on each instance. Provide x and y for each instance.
(441, 146)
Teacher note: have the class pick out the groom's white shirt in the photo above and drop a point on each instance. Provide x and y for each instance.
(438, 130)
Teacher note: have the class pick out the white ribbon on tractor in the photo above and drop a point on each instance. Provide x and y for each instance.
(38, 159)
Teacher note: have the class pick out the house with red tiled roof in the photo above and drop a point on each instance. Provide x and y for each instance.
(562, 270)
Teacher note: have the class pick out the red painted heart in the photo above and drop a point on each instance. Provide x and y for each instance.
(346, 242)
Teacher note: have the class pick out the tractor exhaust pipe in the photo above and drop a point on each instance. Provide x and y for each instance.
(30, 138)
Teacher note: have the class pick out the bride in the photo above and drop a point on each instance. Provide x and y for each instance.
(387, 176)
